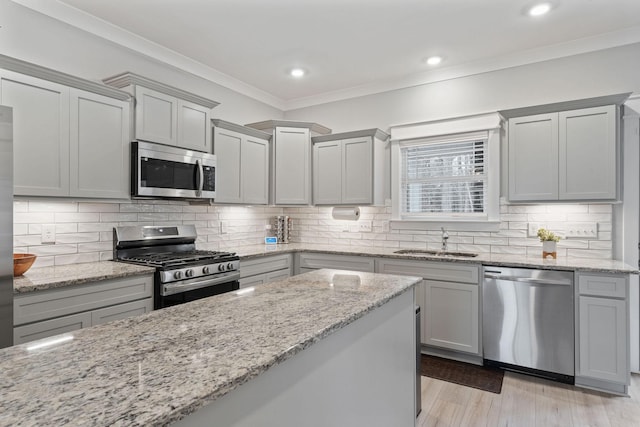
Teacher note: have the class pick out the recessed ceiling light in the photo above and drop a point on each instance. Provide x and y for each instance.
(434, 60)
(297, 72)
(539, 9)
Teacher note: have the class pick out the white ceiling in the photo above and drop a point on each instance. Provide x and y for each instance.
(348, 47)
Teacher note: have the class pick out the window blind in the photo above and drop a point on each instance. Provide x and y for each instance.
(444, 175)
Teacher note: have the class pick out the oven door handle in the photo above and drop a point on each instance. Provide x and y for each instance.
(199, 179)
(178, 287)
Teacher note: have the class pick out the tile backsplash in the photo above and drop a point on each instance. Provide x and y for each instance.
(315, 225)
(84, 230)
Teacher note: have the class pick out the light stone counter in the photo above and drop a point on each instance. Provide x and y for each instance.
(159, 367)
(562, 263)
(76, 274)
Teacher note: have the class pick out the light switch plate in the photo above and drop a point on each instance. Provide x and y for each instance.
(582, 230)
(365, 226)
(532, 230)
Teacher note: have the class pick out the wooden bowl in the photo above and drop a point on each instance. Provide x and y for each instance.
(21, 263)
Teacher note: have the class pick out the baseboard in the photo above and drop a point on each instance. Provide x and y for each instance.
(453, 355)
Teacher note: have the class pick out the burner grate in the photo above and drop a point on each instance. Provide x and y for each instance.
(164, 259)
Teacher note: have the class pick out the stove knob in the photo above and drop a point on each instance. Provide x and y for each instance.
(177, 275)
(189, 273)
(205, 269)
(229, 266)
(220, 267)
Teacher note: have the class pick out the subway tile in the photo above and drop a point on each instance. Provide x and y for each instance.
(96, 226)
(95, 246)
(119, 217)
(19, 229)
(77, 217)
(98, 207)
(77, 238)
(48, 250)
(565, 209)
(33, 217)
(601, 208)
(26, 240)
(20, 206)
(508, 250)
(135, 207)
(152, 216)
(76, 258)
(52, 206)
(44, 261)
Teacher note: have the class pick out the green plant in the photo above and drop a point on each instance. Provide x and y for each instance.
(547, 236)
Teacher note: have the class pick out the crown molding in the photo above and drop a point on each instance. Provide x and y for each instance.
(105, 30)
(223, 124)
(33, 70)
(131, 79)
(115, 34)
(618, 38)
(375, 132)
(271, 124)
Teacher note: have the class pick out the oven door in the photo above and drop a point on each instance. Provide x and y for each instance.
(164, 171)
(174, 293)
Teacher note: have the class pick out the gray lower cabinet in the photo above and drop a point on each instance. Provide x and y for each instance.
(67, 141)
(41, 314)
(268, 268)
(449, 298)
(602, 356)
(309, 261)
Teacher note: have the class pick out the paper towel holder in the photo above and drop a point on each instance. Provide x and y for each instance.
(351, 213)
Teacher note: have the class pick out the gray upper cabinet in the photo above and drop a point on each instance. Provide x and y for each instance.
(68, 141)
(99, 146)
(350, 168)
(40, 134)
(166, 114)
(243, 164)
(290, 176)
(567, 156)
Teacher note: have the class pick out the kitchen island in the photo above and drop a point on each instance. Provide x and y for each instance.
(288, 353)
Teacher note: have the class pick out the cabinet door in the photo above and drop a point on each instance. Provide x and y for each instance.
(533, 157)
(48, 328)
(357, 173)
(274, 276)
(121, 311)
(40, 134)
(194, 126)
(227, 148)
(255, 170)
(327, 173)
(588, 154)
(256, 280)
(99, 146)
(603, 339)
(156, 116)
(451, 316)
(292, 174)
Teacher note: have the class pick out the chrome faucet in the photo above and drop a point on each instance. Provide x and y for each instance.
(445, 237)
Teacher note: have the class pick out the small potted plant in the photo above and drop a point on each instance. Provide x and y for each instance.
(549, 242)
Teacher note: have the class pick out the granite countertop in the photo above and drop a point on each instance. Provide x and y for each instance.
(76, 274)
(156, 368)
(562, 263)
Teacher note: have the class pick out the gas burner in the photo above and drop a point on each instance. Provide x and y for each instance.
(167, 259)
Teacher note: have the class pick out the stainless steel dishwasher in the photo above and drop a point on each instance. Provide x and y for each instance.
(528, 321)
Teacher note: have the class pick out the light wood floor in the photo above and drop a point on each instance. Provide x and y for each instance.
(526, 401)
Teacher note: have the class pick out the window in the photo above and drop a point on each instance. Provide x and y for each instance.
(452, 177)
(443, 175)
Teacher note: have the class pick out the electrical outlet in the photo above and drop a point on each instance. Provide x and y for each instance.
(533, 229)
(582, 230)
(48, 234)
(365, 226)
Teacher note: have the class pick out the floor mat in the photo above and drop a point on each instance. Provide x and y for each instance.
(480, 377)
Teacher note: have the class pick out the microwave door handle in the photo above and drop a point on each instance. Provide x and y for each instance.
(199, 178)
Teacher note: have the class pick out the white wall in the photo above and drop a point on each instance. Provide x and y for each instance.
(588, 75)
(33, 37)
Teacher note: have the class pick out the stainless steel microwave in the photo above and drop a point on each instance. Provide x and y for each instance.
(164, 171)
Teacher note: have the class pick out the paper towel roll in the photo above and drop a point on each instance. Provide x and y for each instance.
(351, 213)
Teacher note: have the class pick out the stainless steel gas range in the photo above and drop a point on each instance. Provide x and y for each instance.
(182, 273)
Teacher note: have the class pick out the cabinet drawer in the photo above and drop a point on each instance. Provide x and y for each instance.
(121, 311)
(604, 286)
(52, 303)
(338, 262)
(48, 328)
(264, 264)
(433, 270)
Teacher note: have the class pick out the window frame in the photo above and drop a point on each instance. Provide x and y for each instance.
(412, 134)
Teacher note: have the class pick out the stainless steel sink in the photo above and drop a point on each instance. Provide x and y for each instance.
(436, 253)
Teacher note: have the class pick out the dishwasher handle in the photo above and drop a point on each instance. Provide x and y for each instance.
(528, 280)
